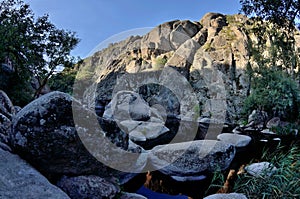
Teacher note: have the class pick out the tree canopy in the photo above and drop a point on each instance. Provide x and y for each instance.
(285, 13)
(34, 45)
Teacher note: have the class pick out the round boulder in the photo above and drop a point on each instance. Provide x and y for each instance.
(44, 134)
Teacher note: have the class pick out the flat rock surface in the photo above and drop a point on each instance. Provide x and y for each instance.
(191, 158)
(235, 139)
(19, 180)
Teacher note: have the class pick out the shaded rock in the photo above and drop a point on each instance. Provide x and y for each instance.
(93, 187)
(234, 139)
(258, 118)
(4, 147)
(19, 180)
(191, 158)
(227, 196)
(274, 122)
(5, 125)
(131, 196)
(17, 109)
(261, 169)
(44, 133)
(6, 107)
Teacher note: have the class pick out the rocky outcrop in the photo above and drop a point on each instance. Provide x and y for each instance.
(88, 187)
(211, 55)
(19, 180)
(191, 158)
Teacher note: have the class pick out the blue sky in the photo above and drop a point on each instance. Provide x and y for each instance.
(95, 21)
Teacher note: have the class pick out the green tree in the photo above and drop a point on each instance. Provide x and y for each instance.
(285, 13)
(35, 46)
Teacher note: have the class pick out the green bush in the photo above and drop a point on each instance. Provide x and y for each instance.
(276, 93)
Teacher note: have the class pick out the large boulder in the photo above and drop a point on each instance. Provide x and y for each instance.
(20, 180)
(44, 133)
(192, 158)
(88, 187)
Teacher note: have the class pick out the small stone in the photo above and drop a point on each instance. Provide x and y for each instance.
(274, 122)
(268, 131)
(261, 169)
(131, 196)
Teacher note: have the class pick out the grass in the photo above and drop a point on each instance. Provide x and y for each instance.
(284, 183)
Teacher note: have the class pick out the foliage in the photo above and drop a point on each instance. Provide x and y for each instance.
(63, 81)
(160, 62)
(35, 46)
(284, 183)
(285, 13)
(274, 92)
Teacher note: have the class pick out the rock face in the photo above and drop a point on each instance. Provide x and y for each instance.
(191, 158)
(211, 55)
(234, 139)
(19, 180)
(44, 133)
(88, 187)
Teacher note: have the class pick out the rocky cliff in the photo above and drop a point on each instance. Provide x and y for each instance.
(211, 55)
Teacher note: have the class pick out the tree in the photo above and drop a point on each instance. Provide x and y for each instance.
(283, 16)
(35, 46)
(285, 13)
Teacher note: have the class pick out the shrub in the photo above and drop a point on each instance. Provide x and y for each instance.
(276, 93)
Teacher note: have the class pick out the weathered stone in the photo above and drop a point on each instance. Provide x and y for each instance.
(191, 158)
(131, 196)
(259, 118)
(234, 139)
(6, 107)
(44, 133)
(19, 180)
(127, 104)
(184, 55)
(5, 125)
(274, 122)
(93, 187)
(227, 196)
(261, 169)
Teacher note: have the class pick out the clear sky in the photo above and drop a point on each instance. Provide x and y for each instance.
(97, 20)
